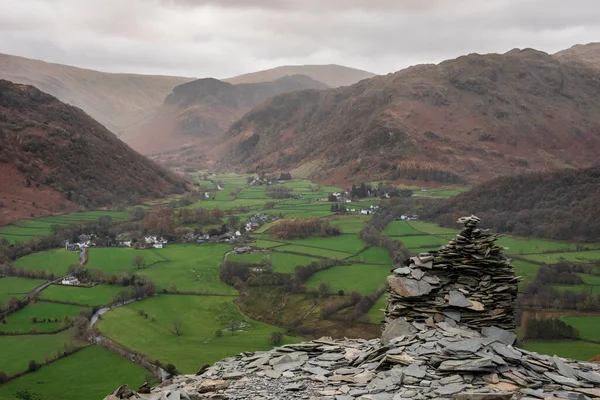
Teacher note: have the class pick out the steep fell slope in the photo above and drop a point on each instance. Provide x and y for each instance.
(584, 53)
(115, 100)
(558, 205)
(463, 120)
(54, 157)
(332, 75)
(197, 113)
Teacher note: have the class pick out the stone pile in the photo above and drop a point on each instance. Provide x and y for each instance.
(468, 281)
(443, 360)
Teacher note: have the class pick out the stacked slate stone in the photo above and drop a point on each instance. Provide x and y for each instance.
(468, 281)
(411, 361)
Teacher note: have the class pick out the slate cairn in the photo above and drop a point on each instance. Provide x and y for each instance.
(468, 280)
(419, 356)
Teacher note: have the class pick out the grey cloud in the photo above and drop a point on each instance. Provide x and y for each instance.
(229, 37)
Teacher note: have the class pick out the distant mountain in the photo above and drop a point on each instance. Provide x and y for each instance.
(332, 75)
(584, 53)
(561, 204)
(464, 120)
(54, 158)
(197, 114)
(115, 100)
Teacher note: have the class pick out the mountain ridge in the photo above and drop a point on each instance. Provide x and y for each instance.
(463, 120)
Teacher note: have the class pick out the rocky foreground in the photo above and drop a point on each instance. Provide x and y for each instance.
(435, 361)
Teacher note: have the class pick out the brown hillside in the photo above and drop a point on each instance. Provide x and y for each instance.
(198, 113)
(54, 157)
(463, 120)
(332, 75)
(584, 53)
(115, 100)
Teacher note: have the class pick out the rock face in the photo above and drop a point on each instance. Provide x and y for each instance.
(467, 281)
(434, 345)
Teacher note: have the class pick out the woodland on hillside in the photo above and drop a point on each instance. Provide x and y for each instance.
(562, 205)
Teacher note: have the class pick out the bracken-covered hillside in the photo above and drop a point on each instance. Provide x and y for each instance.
(559, 205)
(464, 120)
(54, 156)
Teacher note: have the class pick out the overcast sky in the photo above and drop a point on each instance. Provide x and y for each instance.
(223, 38)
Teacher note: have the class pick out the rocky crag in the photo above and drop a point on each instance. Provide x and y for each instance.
(434, 346)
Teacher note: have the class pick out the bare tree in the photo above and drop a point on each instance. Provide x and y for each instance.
(139, 262)
(324, 289)
(177, 327)
(233, 325)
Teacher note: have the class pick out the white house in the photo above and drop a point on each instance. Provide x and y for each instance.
(70, 280)
(365, 212)
(157, 245)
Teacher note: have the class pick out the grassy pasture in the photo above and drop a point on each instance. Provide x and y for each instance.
(400, 228)
(56, 261)
(16, 287)
(202, 316)
(419, 243)
(92, 371)
(114, 260)
(350, 224)
(191, 268)
(362, 278)
(18, 350)
(576, 256)
(266, 244)
(526, 270)
(373, 255)
(432, 228)
(576, 349)
(349, 244)
(587, 327)
(375, 314)
(21, 321)
(95, 296)
(254, 258)
(312, 251)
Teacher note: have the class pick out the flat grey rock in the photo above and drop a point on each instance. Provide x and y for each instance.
(498, 334)
(450, 389)
(415, 371)
(396, 328)
(457, 299)
(477, 365)
(464, 346)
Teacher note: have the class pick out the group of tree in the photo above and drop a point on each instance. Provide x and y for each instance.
(540, 328)
(200, 216)
(557, 205)
(279, 192)
(299, 228)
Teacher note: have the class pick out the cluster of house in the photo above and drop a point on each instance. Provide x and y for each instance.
(84, 241)
(258, 220)
(70, 280)
(154, 241)
(408, 217)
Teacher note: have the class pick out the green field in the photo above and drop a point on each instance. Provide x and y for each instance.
(526, 270)
(588, 327)
(191, 268)
(362, 278)
(16, 287)
(266, 244)
(55, 261)
(27, 229)
(21, 321)
(313, 251)
(114, 260)
(18, 350)
(351, 224)
(373, 255)
(95, 296)
(422, 243)
(91, 373)
(349, 244)
(576, 256)
(400, 228)
(576, 349)
(284, 263)
(202, 316)
(375, 315)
